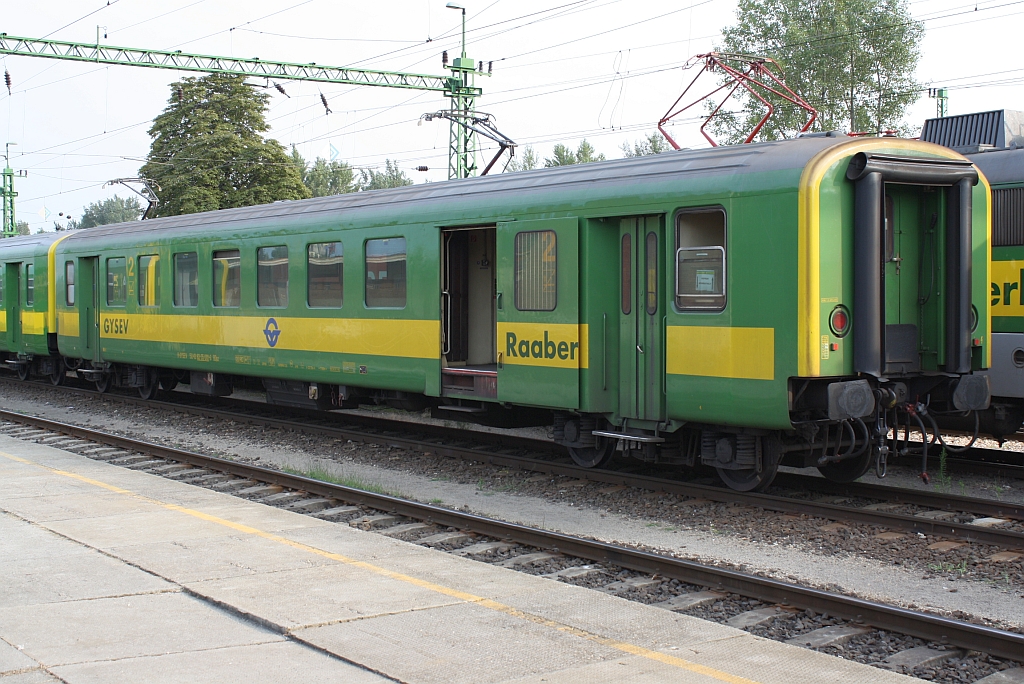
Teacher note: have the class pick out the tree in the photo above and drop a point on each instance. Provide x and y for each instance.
(563, 156)
(853, 60)
(390, 177)
(527, 161)
(208, 150)
(113, 210)
(324, 178)
(654, 143)
(23, 229)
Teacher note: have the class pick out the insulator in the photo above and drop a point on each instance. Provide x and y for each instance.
(422, 168)
(324, 101)
(7, 80)
(444, 58)
(490, 67)
(181, 95)
(280, 89)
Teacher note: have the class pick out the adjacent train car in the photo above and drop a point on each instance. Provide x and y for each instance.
(994, 142)
(28, 342)
(737, 307)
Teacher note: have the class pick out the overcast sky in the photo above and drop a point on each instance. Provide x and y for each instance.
(604, 70)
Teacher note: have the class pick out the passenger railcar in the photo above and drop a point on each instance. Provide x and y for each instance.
(735, 307)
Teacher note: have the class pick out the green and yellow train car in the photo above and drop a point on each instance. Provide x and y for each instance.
(28, 339)
(737, 307)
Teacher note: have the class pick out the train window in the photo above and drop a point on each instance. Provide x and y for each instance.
(186, 278)
(30, 285)
(227, 278)
(325, 265)
(69, 282)
(272, 276)
(536, 270)
(149, 280)
(700, 259)
(3, 267)
(117, 282)
(627, 273)
(651, 268)
(385, 273)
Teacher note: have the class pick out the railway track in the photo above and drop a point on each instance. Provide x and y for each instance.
(387, 513)
(930, 513)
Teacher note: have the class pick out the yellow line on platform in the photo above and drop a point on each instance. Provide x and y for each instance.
(496, 606)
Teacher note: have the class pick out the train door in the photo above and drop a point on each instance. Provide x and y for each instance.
(540, 345)
(468, 316)
(641, 318)
(88, 297)
(911, 257)
(13, 287)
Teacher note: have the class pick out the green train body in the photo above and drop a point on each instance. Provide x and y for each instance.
(700, 306)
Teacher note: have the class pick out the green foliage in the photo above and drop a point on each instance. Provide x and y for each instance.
(831, 51)
(563, 156)
(390, 177)
(208, 150)
(113, 210)
(526, 161)
(22, 228)
(324, 178)
(654, 143)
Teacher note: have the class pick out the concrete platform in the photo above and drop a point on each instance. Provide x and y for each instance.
(112, 575)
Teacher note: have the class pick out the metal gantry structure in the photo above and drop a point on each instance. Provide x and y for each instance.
(459, 87)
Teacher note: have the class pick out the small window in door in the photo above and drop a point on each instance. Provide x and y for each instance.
(117, 282)
(3, 268)
(149, 280)
(186, 279)
(272, 276)
(30, 284)
(325, 264)
(385, 273)
(651, 271)
(69, 282)
(536, 270)
(700, 260)
(227, 278)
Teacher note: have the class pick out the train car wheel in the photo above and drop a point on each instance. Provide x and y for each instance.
(168, 381)
(849, 469)
(150, 386)
(749, 480)
(59, 374)
(23, 371)
(104, 383)
(593, 457)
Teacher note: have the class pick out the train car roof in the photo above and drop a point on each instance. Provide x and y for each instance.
(29, 243)
(1000, 166)
(508, 188)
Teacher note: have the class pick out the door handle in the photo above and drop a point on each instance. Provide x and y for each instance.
(500, 364)
(639, 349)
(497, 297)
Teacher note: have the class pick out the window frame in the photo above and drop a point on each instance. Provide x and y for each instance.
(138, 284)
(341, 304)
(366, 271)
(515, 269)
(287, 278)
(119, 304)
(69, 283)
(174, 280)
(213, 285)
(723, 248)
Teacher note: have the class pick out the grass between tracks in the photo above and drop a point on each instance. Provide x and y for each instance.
(325, 475)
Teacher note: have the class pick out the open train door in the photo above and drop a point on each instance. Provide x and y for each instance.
(540, 348)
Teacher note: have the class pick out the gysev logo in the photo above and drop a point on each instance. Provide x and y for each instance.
(115, 326)
(557, 345)
(272, 332)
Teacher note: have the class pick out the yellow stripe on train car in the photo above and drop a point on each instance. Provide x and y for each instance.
(33, 323)
(721, 352)
(551, 345)
(67, 323)
(419, 339)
